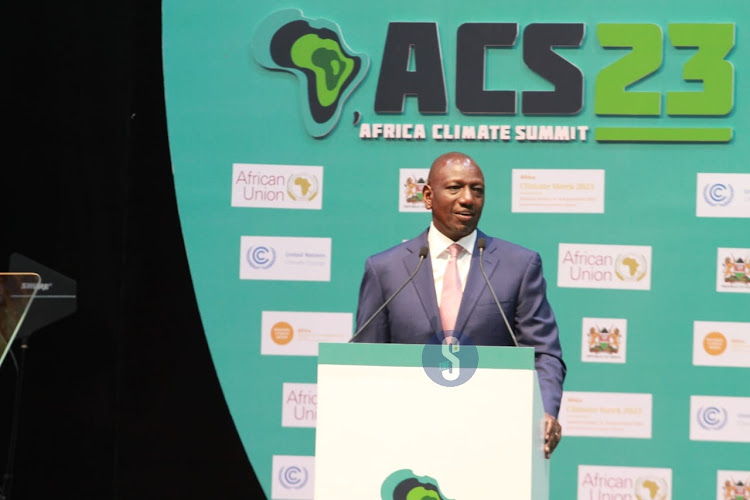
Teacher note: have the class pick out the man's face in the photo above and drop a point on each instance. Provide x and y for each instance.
(455, 194)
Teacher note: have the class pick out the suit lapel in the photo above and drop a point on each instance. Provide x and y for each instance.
(423, 282)
(475, 283)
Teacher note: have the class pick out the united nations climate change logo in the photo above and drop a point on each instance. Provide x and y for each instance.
(450, 361)
(651, 488)
(261, 257)
(293, 477)
(712, 417)
(405, 485)
(718, 194)
(314, 51)
(631, 267)
(302, 187)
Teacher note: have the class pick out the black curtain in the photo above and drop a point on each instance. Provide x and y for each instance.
(120, 399)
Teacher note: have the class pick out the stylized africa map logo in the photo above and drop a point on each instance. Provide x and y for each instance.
(651, 488)
(313, 50)
(405, 485)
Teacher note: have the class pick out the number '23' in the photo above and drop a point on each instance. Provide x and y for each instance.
(713, 41)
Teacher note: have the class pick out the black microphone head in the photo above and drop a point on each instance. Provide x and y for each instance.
(423, 252)
(481, 243)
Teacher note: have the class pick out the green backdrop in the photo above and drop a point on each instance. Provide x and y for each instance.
(225, 108)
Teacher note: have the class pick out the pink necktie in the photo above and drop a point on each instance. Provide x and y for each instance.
(450, 299)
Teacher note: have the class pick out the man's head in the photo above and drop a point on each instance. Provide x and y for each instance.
(455, 194)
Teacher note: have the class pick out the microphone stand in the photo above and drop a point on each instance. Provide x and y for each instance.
(481, 243)
(422, 254)
(7, 485)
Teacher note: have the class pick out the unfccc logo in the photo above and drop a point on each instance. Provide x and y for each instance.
(718, 194)
(293, 477)
(712, 418)
(261, 257)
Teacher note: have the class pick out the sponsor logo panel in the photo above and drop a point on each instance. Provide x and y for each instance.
(299, 405)
(604, 340)
(277, 186)
(298, 333)
(732, 485)
(642, 483)
(723, 195)
(721, 343)
(720, 418)
(293, 477)
(606, 414)
(285, 258)
(733, 270)
(411, 181)
(558, 191)
(625, 267)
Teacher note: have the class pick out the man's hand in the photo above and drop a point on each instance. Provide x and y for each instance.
(552, 434)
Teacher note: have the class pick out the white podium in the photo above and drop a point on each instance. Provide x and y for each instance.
(385, 429)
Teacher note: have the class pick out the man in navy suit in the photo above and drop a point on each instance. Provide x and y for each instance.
(455, 194)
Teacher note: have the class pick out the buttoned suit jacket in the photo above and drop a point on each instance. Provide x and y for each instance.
(413, 316)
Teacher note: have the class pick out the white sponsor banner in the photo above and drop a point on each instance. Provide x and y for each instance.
(299, 407)
(604, 340)
(277, 186)
(606, 414)
(289, 333)
(723, 195)
(720, 418)
(733, 270)
(411, 181)
(558, 191)
(732, 484)
(721, 343)
(285, 258)
(625, 267)
(293, 477)
(646, 483)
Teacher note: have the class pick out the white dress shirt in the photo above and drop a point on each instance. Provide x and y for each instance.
(439, 256)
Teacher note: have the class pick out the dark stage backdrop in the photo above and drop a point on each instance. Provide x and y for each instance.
(120, 399)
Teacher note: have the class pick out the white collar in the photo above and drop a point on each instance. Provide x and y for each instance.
(439, 242)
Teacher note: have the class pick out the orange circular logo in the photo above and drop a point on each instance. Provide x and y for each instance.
(282, 333)
(715, 343)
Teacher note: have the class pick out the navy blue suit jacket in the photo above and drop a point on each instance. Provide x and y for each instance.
(413, 316)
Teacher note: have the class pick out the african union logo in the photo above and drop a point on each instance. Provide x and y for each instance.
(712, 418)
(302, 187)
(261, 257)
(651, 488)
(293, 477)
(405, 485)
(314, 51)
(718, 194)
(631, 267)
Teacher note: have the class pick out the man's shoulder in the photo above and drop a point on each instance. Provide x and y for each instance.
(403, 249)
(507, 247)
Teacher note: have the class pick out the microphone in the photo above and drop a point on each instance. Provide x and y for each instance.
(481, 244)
(422, 254)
